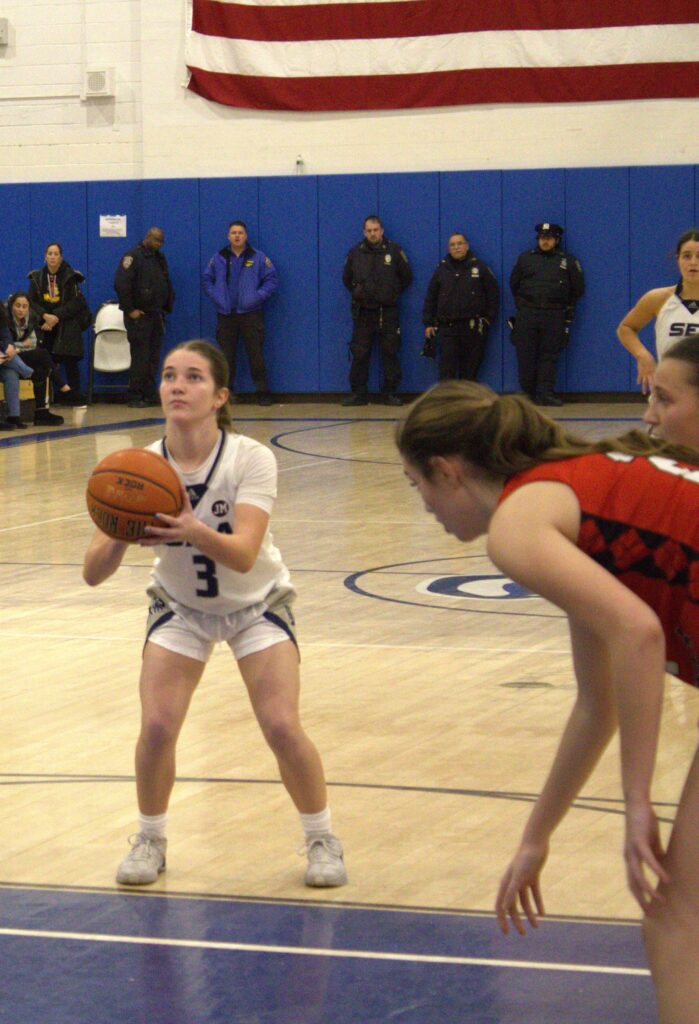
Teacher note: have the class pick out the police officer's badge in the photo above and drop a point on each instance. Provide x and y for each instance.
(387, 258)
(126, 262)
(249, 263)
(564, 264)
(475, 272)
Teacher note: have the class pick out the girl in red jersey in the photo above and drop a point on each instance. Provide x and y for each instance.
(608, 532)
(673, 402)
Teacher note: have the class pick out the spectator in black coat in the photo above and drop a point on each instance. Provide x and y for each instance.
(56, 299)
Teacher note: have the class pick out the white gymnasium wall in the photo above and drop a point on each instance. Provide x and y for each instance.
(154, 128)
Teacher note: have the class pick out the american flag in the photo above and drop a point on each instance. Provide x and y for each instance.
(391, 54)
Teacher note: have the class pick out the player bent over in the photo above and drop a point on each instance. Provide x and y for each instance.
(217, 576)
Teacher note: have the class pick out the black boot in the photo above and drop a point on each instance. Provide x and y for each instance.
(45, 418)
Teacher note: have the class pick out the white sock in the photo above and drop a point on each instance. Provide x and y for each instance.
(316, 824)
(152, 825)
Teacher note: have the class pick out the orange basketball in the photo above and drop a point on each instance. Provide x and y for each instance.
(127, 488)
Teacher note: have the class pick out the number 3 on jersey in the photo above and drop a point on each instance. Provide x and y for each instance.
(206, 572)
(206, 569)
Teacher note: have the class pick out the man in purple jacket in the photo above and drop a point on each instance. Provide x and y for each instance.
(239, 280)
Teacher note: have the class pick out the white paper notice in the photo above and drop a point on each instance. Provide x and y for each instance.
(112, 225)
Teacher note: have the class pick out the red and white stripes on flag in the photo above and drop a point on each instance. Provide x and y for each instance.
(389, 54)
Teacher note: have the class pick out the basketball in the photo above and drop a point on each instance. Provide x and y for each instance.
(127, 489)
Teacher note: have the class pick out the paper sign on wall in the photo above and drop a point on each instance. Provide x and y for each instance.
(112, 225)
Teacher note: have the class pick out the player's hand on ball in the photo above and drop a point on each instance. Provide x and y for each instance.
(519, 891)
(172, 528)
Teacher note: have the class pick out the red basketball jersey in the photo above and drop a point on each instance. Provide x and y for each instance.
(640, 521)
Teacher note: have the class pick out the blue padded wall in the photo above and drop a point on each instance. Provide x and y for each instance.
(58, 213)
(16, 262)
(622, 223)
(289, 235)
(597, 217)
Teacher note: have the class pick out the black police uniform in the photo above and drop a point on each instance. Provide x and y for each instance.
(545, 286)
(376, 275)
(462, 302)
(142, 281)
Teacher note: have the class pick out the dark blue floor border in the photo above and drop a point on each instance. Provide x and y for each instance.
(18, 439)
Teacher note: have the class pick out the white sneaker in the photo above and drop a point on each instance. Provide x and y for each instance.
(144, 862)
(326, 866)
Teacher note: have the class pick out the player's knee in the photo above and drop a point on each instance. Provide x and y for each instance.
(159, 731)
(281, 730)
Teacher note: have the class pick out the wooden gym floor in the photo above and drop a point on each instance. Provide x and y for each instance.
(435, 692)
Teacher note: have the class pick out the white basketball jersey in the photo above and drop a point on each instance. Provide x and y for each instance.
(674, 322)
(238, 471)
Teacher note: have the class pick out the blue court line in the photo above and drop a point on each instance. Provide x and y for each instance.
(62, 433)
(597, 804)
(276, 441)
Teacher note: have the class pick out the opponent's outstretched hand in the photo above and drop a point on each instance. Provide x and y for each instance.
(643, 849)
(519, 891)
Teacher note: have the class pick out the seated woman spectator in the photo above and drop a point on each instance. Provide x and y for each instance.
(12, 369)
(63, 312)
(25, 332)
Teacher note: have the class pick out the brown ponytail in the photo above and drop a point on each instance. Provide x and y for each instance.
(503, 434)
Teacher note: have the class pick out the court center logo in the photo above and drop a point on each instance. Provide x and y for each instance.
(475, 588)
(481, 587)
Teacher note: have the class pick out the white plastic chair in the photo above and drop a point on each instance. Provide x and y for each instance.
(110, 348)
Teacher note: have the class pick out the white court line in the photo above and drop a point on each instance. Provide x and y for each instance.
(305, 465)
(323, 644)
(340, 954)
(42, 522)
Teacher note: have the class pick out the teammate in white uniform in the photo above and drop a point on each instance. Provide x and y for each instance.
(217, 577)
(675, 309)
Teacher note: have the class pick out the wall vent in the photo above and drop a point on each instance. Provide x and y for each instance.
(98, 82)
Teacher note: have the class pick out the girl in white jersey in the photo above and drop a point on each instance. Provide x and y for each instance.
(217, 577)
(675, 309)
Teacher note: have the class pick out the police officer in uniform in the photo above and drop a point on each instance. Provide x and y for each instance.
(546, 283)
(376, 272)
(142, 283)
(461, 302)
